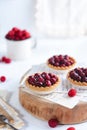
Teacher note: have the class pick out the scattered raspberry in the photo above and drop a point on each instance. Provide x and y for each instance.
(72, 92)
(3, 78)
(5, 59)
(71, 128)
(15, 29)
(53, 123)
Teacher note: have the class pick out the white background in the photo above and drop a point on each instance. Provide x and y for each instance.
(19, 13)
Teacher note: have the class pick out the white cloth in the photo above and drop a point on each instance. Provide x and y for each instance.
(62, 17)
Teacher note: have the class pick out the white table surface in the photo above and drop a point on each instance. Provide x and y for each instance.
(76, 47)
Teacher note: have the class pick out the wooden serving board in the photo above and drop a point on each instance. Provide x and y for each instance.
(46, 110)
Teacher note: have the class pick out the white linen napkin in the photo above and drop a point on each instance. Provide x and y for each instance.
(5, 96)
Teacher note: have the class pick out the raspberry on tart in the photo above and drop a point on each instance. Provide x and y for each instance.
(78, 76)
(42, 82)
(61, 62)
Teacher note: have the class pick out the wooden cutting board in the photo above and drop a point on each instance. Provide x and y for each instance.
(46, 110)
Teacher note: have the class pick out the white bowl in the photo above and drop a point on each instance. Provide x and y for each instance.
(19, 50)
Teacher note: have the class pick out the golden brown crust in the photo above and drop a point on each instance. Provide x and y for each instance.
(75, 82)
(62, 68)
(45, 89)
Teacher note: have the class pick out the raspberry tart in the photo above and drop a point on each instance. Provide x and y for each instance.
(61, 63)
(78, 77)
(42, 82)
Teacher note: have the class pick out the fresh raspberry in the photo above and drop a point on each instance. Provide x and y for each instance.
(16, 38)
(7, 60)
(11, 33)
(17, 34)
(7, 36)
(71, 128)
(3, 58)
(3, 78)
(15, 29)
(72, 92)
(28, 35)
(53, 123)
(23, 37)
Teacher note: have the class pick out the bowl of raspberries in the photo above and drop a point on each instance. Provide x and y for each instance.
(19, 44)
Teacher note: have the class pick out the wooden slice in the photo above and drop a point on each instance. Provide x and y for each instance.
(46, 110)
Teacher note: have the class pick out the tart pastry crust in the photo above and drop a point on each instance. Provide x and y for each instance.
(40, 89)
(43, 87)
(77, 83)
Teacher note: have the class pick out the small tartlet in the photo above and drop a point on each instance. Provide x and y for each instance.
(61, 63)
(78, 77)
(44, 86)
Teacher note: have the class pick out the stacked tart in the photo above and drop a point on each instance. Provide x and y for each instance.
(78, 77)
(61, 62)
(42, 82)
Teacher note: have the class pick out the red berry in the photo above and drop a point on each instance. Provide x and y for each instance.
(3, 59)
(53, 123)
(27, 35)
(48, 83)
(15, 29)
(3, 78)
(11, 33)
(22, 38)
(17, 34)
(71, 128)
(7, 60)
(72, 92)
